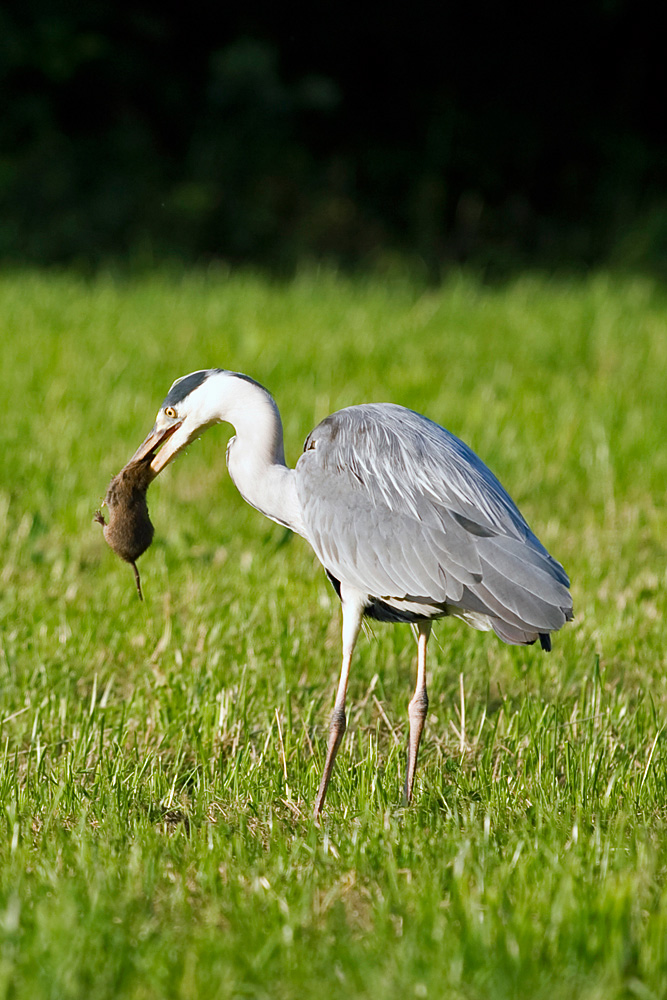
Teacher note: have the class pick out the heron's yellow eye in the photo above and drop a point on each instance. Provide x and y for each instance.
(169, 411)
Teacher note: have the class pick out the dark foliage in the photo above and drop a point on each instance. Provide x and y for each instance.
(509, 135)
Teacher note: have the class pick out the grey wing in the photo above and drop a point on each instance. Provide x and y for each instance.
(396, 506)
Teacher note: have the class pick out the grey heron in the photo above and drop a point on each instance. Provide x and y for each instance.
(408, 523)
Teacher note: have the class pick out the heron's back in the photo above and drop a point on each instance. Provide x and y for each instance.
(400, 508)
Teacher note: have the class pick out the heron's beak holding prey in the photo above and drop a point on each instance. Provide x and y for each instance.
(149, 447)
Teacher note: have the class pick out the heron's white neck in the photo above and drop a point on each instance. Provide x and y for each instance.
(255, 455)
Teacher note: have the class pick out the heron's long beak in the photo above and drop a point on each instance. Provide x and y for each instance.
(156, 439)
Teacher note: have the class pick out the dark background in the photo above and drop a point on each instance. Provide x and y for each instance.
(511, 136)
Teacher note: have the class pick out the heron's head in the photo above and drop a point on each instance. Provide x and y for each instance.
(193, 403)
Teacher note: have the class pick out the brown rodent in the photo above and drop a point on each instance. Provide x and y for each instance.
(129, 531)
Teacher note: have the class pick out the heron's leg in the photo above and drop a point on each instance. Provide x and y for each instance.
(353, 612)
(417, 710)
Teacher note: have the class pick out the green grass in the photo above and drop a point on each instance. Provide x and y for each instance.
(160, 760)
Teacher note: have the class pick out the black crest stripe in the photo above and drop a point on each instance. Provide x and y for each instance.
(189, 383)
(184, 387)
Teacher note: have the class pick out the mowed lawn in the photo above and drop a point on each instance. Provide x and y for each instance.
(160, 760)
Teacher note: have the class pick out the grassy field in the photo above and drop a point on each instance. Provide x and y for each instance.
(159, 760)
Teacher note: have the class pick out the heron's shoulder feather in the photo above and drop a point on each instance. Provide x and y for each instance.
(408, 462)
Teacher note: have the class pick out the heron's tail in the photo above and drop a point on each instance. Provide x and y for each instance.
(516, 636)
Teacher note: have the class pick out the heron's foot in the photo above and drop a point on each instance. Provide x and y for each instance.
(337, 728)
